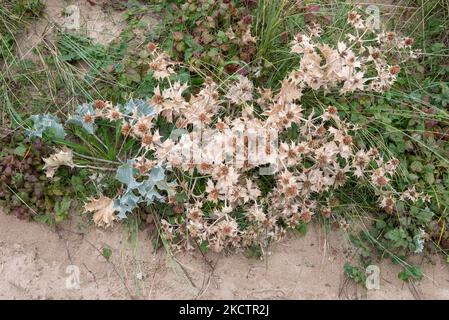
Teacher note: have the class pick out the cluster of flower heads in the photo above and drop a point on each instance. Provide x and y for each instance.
(360, 63)
(216, 127)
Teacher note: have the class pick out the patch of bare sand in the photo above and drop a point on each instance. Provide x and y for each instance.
(34, 261)
(103, 26)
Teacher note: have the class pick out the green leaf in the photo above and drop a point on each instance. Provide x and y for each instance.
(399, 237)
(355, 274)
(429, 178)
(380, 224)
(181, 197)
(204, 246)
(395, 235)
(44, 218)
(424, 216)
(416, 166)
(302, 228)
(75, 146)
(410, 272)
(106, 252)
(20, 150)
(62, 209)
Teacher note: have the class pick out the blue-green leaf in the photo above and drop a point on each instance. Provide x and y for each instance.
(151, 195)
(47, 123)
(79, 117)
(157, 174)
(138, 108)
(125, 174)
(122, 209)
(130, 199)
(126, 203)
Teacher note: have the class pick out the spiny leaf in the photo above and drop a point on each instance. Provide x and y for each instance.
(46, 123)
(79, 118)
(138, 108)
(125, 174)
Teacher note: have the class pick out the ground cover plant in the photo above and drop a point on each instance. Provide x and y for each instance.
(26, 191)
(360, 115)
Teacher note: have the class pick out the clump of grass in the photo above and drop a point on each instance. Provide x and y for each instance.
(56, 75)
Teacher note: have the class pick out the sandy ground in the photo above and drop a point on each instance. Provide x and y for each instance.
(38, 263)
(101, 25)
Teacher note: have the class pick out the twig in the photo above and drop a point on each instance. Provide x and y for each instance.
(96, 168)
(92, 274)
(413, 290)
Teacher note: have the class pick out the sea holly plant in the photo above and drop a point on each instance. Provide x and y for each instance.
(208, 167)
(145, 191)
(142, 185)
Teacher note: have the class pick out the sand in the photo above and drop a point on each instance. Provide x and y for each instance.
(37, 262)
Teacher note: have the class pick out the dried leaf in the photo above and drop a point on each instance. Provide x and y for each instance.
(247, 38)
(103, 209)
(62, 158)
